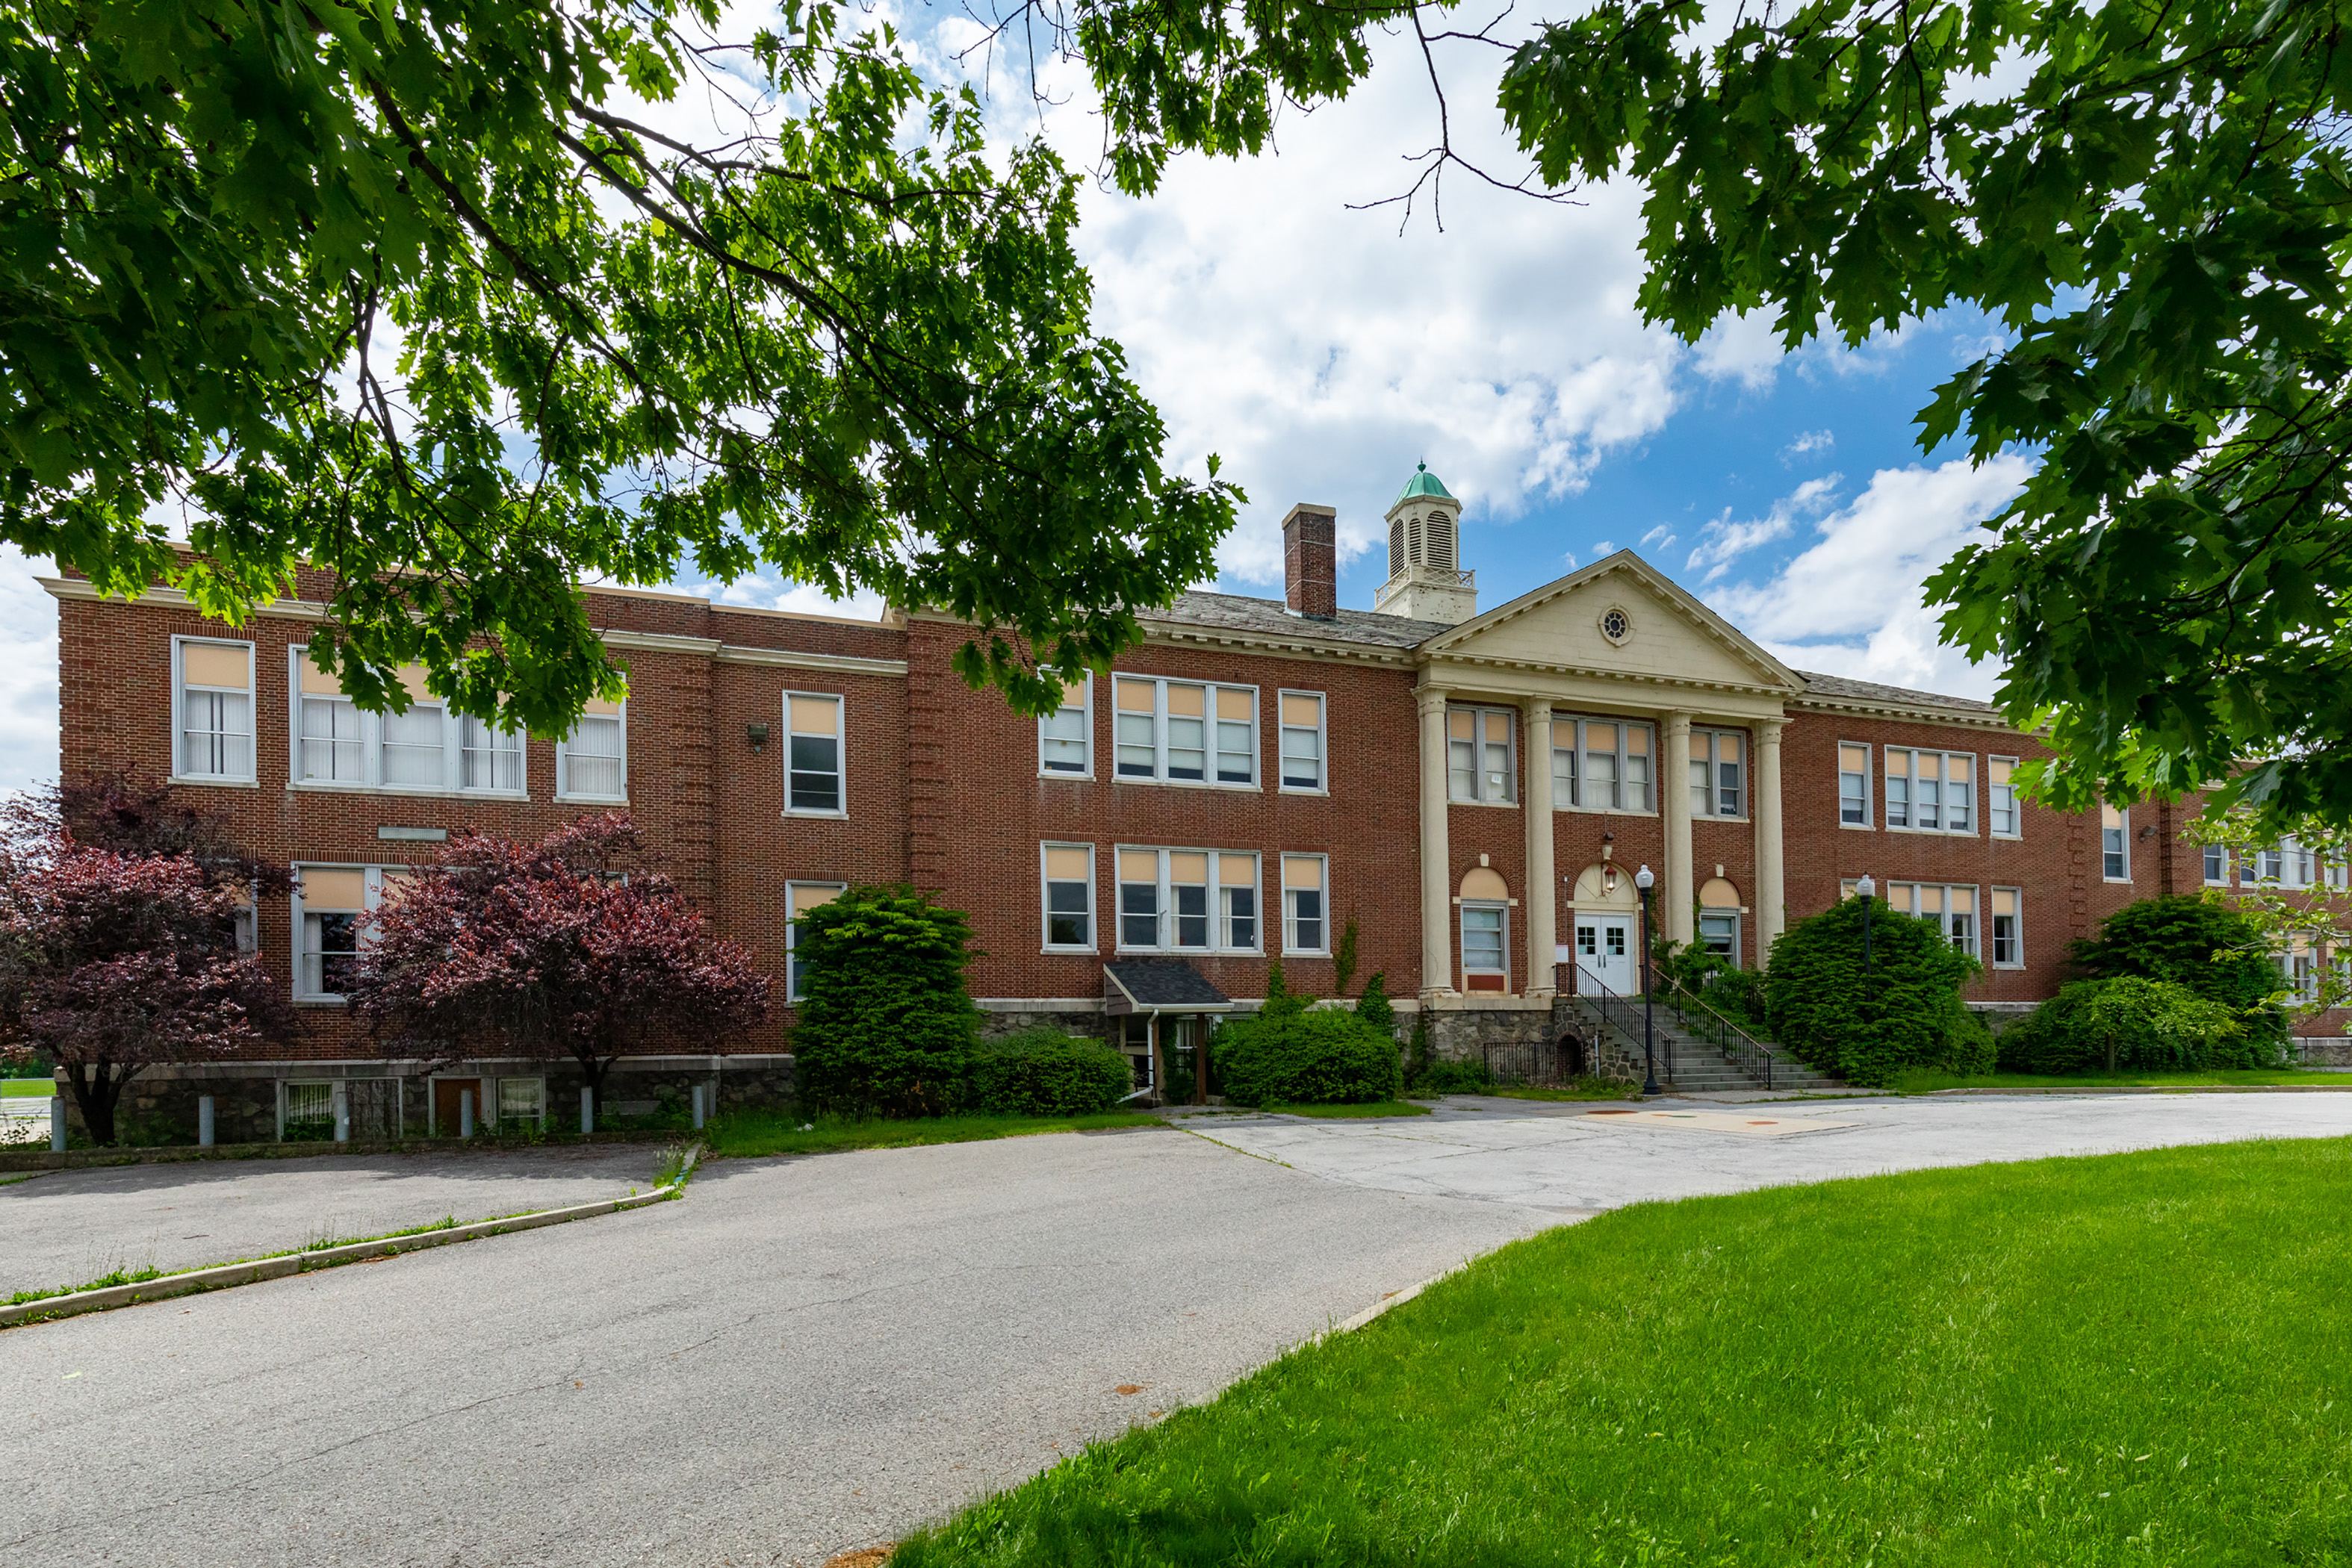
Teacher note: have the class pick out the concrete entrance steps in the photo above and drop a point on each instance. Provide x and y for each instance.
(1699, 1068)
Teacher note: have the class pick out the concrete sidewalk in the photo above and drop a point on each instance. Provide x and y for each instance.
(65, 1229)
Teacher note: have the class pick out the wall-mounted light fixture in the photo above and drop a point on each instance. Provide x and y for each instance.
(757, 734)
(2147, 830)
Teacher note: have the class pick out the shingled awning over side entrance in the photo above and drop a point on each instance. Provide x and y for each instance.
(1160, 985)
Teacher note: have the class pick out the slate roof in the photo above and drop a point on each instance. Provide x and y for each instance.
(1165, 983)
(1871, 691)
(1271, 617)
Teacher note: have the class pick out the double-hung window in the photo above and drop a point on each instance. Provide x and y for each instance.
(1486, 945)
(813, 755)
(1065, 737)
(424, 747)
(2299, 968)
(487, 758)
(591, 763)
(1069, 897)
(2001, 796)
(331, 905)
(1603, 767)
(801, 897)
(2217, 865)
(2008, 934)
(1954, 909)
(416, 739)
(1302, 742)
(1188, 901)
(1305, 903)
(1853, 785)
(1185, 732)
(329, 748)
(1719, 773)
(1478, 760)
(2297, 865)
(212, 709)
(2115, 843)
(1930, 791)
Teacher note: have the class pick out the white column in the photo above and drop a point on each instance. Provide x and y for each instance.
(1436, 857)
(1676, 891)
(1772, 897)
(1540, 898)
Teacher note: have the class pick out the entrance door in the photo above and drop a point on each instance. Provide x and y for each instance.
(446, 1116)
(1604, 953)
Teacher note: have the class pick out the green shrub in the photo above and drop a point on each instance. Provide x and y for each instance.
(1905, 1013)
(885, 1027)
(1373, 1010)
(2092, 1026)
(1042, 1072)
(2196, 940)
(1287, 1055)
(1452, 1078)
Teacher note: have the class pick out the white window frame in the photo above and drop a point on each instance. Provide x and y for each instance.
(370, 743)
(2299, 972)
(1974, 944)
(564, 790)
(1209, 721)
(1579, 747)
(371, 899)
(179, 772)
(1322, 743)
(521, 750)
(792, 993)
(1290, 946)
(1085, 690)
(840, 754)
(1164, 900)
(2122, 853)
(1500, 907)
(1714, 735)
(1478, 743)
(1910, 824)
(1993, 960)
(1706, 914)
(1045, 881)
(1868, 819)
(536, 1119)
(2214, 855)
(2002, 797)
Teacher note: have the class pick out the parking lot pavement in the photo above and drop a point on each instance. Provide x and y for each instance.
(67, 1227)
(801, 1357)
(1585, 1156)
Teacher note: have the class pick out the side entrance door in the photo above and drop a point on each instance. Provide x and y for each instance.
(1604, 953)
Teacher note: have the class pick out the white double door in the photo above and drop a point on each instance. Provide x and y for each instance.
(1604, 951)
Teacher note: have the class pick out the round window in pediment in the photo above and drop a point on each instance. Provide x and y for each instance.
(1616, 625)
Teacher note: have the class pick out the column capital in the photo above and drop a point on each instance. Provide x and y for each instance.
(1536, 708)
(1432, 699)
(1770, 729)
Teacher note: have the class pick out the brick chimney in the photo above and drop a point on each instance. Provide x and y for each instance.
(1311, 560)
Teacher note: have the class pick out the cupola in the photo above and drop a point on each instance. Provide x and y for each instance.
(1425, 579)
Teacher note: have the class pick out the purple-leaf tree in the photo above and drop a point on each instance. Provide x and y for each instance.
(110, 963)
(569, 948)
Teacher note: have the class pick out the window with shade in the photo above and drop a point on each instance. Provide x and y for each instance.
(1305, 920)
(1065, 737)
(1602, 765)
(813, 755)
(801, 897)
(425, 748)
(1185, 732)
(1069, 897)
(591, 763)
(1853, 785)
(330, 904)
(212, 709)
(1302, 742)
(1930, 791)
(1954, 909)
(2115, 843)
(2001, 819)
(1719, 773)
(1181, 901)
(1478, 762)
(2007, 928)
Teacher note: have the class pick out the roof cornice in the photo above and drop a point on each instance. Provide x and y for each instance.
(1915, 713)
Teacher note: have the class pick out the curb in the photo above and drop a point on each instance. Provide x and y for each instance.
(19, 1158)
(2132, 1089)
(75, 1302)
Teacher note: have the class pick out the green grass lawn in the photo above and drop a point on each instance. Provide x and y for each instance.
(754, 1132)
(2137, 1359)
(1370, 1108)
(1922, 1082)
(44, 1087)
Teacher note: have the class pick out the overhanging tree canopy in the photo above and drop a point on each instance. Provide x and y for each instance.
(434, 294)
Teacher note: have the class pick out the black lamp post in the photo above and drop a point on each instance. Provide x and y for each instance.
(1866, 887)
(1644, 880)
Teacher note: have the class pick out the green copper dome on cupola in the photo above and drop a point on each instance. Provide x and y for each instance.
(1422, 483)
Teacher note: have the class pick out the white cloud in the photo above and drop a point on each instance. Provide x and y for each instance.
(1658, 538)
(1810, 441)
(1744, 349)
(28, 674)
(1723, 541)
(1850, 603)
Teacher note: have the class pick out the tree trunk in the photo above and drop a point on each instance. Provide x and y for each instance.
(97, 1093)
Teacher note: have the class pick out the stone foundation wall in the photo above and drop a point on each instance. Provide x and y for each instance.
(2323, 1050)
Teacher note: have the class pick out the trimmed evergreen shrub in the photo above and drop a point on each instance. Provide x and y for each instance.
(1042, 1072)
(2197, 940)
(1285, 1054)
(885, 1028)
(1905, 1013)
(2094, 1026)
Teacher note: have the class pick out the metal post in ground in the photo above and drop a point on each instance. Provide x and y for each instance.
(1645, 881)
(204, 1120)
(696, 1092)
(587, 1108)
(57, 1126)
(342, 1112)
(465, 1113)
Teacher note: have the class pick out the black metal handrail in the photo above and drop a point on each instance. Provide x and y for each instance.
(1625, 1016)
(1694, 1017)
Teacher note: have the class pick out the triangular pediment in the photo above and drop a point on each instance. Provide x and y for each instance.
(1566, 625)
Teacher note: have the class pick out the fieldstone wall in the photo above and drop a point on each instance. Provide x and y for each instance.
(2323, 1050)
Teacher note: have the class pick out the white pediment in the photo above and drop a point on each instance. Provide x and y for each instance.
(1621, 617)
